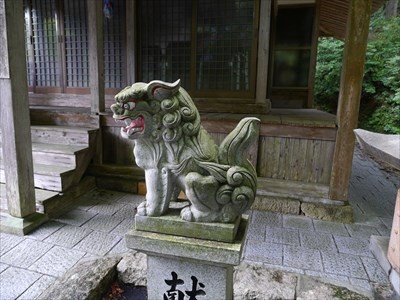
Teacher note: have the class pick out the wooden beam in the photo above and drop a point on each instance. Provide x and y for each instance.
(15, 124)
(349, 95)
(96, 54)
(263, 53)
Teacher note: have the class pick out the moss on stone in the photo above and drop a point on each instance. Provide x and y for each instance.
(346, 294)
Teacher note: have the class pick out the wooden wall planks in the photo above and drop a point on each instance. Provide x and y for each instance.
(282, 152)
(295, 159)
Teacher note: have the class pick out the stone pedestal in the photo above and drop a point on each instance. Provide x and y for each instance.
(182, 267)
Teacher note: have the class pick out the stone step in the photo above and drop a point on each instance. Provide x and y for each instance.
(49, 177)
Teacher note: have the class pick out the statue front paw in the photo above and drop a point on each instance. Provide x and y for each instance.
(186, 214)
(141, 209)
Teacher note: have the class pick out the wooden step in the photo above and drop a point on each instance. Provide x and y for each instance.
(63, 115)
(117, 177)
(63, 202)
(55, 154)
(53, 203)
(65, 135)
(40, 196)
(49, 177)
(60, 155)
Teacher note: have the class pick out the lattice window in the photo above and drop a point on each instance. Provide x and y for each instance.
(114, 51)
(58, 56)
(76, 43)
(209, 44)
(45, 48)
(165, 40)
(30, 63)
(224, 44)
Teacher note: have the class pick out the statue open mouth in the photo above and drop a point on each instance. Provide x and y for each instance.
(132, 126)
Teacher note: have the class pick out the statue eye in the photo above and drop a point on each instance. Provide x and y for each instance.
(129, 105)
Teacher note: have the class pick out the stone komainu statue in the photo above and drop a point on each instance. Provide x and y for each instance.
(178, 154)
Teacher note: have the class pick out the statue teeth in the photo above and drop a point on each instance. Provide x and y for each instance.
(127, 121)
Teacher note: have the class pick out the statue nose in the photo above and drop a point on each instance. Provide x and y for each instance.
(116, 109)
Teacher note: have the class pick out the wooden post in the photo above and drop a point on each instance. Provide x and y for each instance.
(15, 123)
(313, 56)
(349, 95)
(96, 66)
(96, 55)
(131, 42)
(263, 53)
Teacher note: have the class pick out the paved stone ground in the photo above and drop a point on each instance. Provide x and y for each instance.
(95, 228)
(372, 188)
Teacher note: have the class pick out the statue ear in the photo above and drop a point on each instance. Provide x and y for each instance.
(160, 90)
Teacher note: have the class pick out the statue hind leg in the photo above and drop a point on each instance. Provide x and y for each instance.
(201, 191)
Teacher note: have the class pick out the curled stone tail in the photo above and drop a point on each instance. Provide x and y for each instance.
(234, 148)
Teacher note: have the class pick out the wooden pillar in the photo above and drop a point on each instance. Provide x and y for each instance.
(349, 95)
(313, 56)
(15, 122)
(130, 42)
(96, 67)
(263, 53)
(96, 55)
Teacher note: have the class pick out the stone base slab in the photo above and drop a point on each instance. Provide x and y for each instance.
(335, 213)
(394, 278)
(312, 207)
(211, 252)
(277, 204)
(170, 278)
(21, 226)
(172, 224)
(379, 247)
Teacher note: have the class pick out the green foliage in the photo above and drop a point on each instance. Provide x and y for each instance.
(380, 101)
(327, 81)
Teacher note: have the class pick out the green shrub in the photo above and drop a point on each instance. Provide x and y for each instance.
(327, 81)
(380, 100)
